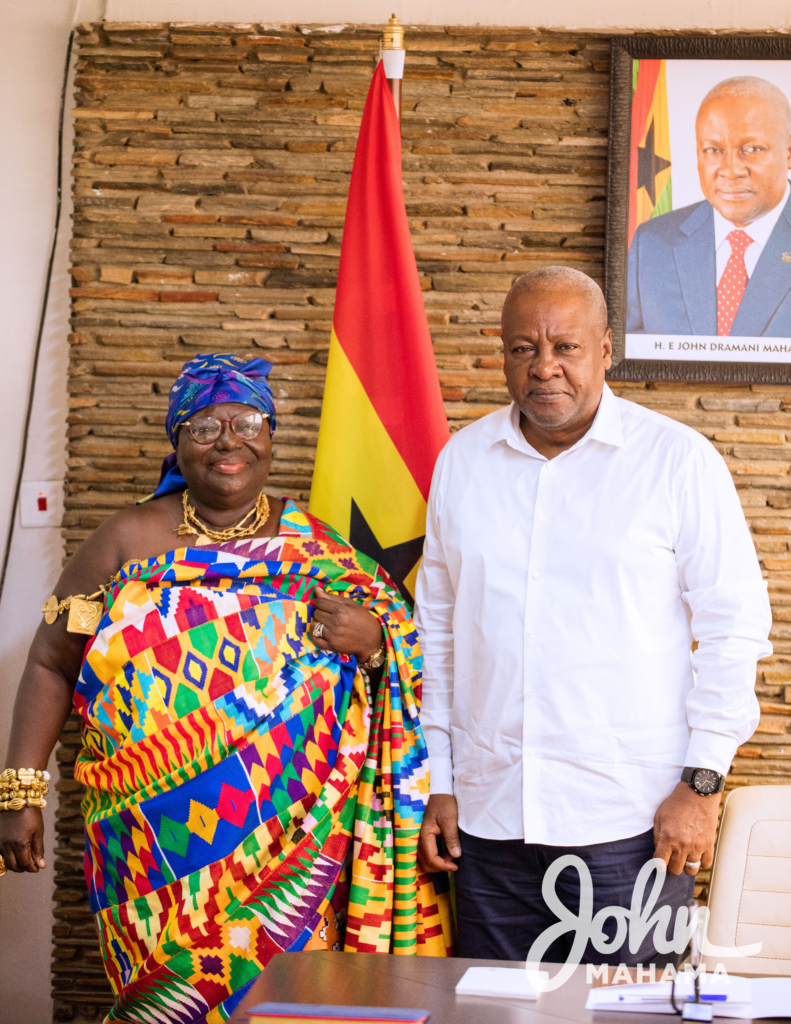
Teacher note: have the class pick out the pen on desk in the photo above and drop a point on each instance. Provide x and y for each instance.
(642, 999)
(720, 998)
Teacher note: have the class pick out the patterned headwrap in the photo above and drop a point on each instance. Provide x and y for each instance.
(212, 380)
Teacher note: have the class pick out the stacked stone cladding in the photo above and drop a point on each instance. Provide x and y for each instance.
(211, 168)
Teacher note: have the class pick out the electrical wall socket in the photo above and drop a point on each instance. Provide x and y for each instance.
(41, 503)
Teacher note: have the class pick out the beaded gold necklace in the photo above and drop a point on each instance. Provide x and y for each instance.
(206, 535)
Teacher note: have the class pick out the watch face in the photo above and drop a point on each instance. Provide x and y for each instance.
(706, 781)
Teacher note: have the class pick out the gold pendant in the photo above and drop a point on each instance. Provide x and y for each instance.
(202, 541)
(84, 616)
(50, 610)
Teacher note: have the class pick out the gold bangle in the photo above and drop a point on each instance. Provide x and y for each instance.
(23, 787)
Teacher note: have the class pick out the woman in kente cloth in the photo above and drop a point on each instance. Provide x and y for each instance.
(249, 684)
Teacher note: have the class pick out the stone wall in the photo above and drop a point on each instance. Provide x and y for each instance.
(210, 175)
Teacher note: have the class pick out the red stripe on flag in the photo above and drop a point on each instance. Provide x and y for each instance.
(379, 315)
(642, 101)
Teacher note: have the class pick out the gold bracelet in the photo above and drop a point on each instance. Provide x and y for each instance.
(23, 787)
(85, 612)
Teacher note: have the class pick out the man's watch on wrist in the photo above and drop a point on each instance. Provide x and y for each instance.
(703, 781)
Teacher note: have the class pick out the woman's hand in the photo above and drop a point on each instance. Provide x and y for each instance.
(348, 627)
(22, 839)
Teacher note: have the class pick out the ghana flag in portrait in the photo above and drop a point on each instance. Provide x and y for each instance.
(650, 191)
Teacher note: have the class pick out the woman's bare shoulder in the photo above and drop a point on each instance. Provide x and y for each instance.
(142, 531)
(139, 531)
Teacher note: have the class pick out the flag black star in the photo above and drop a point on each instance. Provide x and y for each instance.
(398, 560)
(649, 165)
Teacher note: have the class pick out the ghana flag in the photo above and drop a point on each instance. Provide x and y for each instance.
(383, 423)
(649, 164)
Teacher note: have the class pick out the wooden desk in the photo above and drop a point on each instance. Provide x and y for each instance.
(423, 983)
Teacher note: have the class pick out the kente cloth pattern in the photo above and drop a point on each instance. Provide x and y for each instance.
(240, 781)
(210, 380)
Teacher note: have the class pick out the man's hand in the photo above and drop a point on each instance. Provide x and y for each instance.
(441, 818)
(685, 827)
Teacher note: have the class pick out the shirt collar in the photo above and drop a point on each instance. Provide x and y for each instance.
(759, 230)
(606, 426)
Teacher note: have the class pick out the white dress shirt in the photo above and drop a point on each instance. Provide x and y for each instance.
(759, 231)
(557, 602)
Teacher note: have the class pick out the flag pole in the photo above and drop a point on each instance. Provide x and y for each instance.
(393, 54)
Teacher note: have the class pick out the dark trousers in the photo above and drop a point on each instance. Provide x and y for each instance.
(501, 911)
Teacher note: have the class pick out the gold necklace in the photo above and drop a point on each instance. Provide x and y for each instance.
(206, 535)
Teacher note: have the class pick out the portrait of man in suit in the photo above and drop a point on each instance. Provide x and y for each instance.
(722, 266)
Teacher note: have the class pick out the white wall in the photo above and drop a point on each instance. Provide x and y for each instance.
(591, 14)
(33, 38)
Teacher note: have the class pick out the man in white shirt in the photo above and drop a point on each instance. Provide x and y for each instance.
(576, 545)
(723, 266)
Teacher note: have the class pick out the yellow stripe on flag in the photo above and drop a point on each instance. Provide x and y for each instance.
(355, 458)
(658, 123)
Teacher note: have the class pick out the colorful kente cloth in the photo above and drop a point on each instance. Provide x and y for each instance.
(240, 781)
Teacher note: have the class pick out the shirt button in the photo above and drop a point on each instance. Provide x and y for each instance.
(541, 519)
(529, 752)
(535, 575)
(530, 694)
(531, 636)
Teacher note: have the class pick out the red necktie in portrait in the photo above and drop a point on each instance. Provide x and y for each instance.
(733, 282)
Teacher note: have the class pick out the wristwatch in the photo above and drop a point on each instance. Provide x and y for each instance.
(703, 781)
(376, 659)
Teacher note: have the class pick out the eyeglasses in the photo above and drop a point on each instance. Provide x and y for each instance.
(207, 429)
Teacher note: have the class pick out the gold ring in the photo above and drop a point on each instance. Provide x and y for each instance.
(3, 868)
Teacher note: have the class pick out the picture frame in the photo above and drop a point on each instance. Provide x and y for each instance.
(661, 317)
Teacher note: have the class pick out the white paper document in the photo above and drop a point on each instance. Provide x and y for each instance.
(749, 998)
(506, 982)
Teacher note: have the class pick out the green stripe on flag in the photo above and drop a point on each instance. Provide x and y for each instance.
(664, 203)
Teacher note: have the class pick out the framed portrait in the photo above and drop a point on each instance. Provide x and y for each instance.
(698, 258)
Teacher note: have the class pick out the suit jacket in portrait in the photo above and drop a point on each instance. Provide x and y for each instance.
(672, 278)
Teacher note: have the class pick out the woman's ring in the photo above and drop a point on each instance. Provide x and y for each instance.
(693, 865)
(318, 630)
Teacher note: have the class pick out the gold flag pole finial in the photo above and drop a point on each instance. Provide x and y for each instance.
(392, 54)
(393, 35)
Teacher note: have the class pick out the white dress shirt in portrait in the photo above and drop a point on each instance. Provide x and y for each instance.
(557, 602)
(759, 231)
